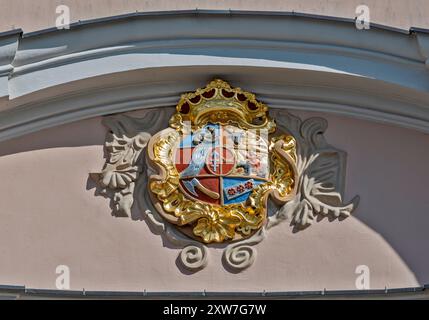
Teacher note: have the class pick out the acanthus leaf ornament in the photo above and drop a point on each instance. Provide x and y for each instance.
(321, 171)
(209, 176)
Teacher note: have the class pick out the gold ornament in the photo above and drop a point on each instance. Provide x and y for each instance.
(218, 163)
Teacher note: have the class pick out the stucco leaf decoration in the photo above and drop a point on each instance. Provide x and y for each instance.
(321, 170)
(315, 197)
(124, 144)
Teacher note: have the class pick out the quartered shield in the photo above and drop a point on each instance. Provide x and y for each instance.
(221, 164)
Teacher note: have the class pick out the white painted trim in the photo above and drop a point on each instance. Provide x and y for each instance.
(8, 48)
(148, 61)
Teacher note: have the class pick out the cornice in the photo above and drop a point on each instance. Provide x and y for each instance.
(8, 47)
(22, 292)
(292, 60)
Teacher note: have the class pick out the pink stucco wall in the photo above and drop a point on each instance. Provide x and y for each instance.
(35, 15)
(49, 216)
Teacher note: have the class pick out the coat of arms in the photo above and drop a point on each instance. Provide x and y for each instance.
(218, 163)
(211, 175)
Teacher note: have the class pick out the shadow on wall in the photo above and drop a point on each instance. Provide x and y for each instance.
(387, 168)
(84, 133)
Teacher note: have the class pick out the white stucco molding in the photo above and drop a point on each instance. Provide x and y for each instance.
(125, 176)
(8, 48)
(146, 60)
(423, 41)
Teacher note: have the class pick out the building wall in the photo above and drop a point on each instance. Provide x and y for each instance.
(32, 15)
(51, 217)
(55, 86)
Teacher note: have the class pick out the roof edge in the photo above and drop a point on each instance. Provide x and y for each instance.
(137, 14)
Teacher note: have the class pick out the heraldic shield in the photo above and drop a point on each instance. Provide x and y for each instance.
(218, 163)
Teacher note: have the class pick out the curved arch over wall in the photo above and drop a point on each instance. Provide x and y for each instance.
(146, 60)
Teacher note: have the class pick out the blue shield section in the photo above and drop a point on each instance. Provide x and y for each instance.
(231, 182)
(196, 138)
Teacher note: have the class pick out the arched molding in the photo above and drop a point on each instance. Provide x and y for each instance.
(138, 61)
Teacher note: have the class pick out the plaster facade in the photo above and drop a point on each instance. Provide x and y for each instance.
(36, 15)
(54, 218)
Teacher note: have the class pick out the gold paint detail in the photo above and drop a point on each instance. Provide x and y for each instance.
(219, 103)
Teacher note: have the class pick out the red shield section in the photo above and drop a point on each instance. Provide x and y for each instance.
(214, 165)
(220, 161)
(207, 189)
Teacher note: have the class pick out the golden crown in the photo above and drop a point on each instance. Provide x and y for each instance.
(218, 102)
